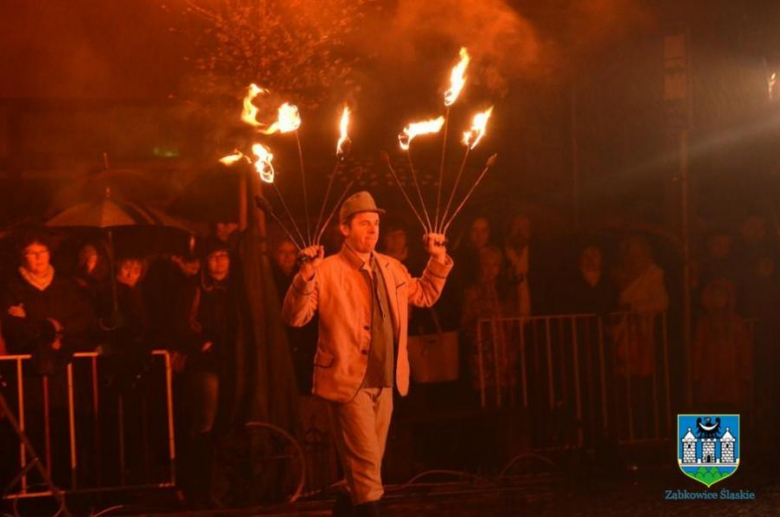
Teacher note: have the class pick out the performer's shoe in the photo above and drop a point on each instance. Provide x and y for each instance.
(343, 506)
(367, 509)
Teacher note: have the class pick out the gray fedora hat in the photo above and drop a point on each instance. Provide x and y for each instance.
(356, 203)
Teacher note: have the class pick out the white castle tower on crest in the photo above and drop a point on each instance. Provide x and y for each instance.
(710, 453)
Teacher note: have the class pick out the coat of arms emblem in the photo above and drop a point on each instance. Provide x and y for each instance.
(708, 446)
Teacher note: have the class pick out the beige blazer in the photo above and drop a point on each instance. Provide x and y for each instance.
(340, 293)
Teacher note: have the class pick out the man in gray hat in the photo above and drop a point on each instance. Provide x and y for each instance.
(363, 301)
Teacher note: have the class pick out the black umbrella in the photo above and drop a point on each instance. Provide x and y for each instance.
(110, 214)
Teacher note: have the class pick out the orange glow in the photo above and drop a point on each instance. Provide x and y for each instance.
(472, 137)
(249, 115)
(419, 128)
(343, 126)
(263, 164)
(457, 78)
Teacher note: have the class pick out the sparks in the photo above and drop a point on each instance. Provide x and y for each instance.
(263, 164)
(249, 115)
(457, 78)
(472, 137)
(419, 128)
(343, 126)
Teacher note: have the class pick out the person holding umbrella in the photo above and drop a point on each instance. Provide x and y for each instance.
(363, 299)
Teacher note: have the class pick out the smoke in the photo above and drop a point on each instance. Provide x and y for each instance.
(537, 42)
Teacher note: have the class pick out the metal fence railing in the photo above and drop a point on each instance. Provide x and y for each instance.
(579, 374)
(93, 428)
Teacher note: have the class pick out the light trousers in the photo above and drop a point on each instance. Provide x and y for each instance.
(360, 429)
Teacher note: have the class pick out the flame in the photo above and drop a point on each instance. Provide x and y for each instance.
(457, 78)
(233, 158)
(472, 137)
(249, 115)
(419, 128)
(288, 120)
(343, 126)
(263, 164)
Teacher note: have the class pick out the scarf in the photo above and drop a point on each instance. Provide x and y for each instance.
(40, 283)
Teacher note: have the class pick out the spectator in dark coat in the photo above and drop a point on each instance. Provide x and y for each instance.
(302, 340)
(590, 291)
(42, 312)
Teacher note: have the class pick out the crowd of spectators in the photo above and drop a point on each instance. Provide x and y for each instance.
(188, 303)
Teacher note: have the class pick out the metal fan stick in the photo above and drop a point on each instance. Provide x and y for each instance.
(441, 167)
(386, 158)
(303, 186)
(337, 206)
(454, 188)
(265, 206)
(429, 228)
(488, 165)
(289, 214)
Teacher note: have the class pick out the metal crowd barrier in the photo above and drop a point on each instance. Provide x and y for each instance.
(77, 415)
(577, 375)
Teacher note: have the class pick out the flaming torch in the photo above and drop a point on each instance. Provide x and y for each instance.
(457, 78)
(457, 82)
(405, 140)
(343, 147)
(419, 128)
(265, 169)
(470, 140)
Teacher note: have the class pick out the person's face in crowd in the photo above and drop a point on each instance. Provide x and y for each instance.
(91, 259)
(224, 230)
(715, 299)
(479, 233)
(362, 232)
(489, 266)
(591, 259)
(753, 230)
(719, 247)
(219, 264)
(520, 232)
(285, 257)
(190, 267)
(36, 258)
(129, 272)
(395, 243)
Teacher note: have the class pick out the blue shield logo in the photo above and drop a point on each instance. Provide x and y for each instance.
(708, 446)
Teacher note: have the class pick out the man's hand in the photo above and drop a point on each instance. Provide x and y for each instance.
(312, 256)
(435, 245)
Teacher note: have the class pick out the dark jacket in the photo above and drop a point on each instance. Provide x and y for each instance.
(60, 301)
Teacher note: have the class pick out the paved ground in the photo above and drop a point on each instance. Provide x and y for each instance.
(578, 490)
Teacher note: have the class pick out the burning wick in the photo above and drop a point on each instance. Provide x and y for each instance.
(419, 128)
(472, 137)
(249, 115)
(771, 85)
(263, 164)
(344, 143)
(457, 78)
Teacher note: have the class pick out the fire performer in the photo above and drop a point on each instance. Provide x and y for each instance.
(362, 298)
